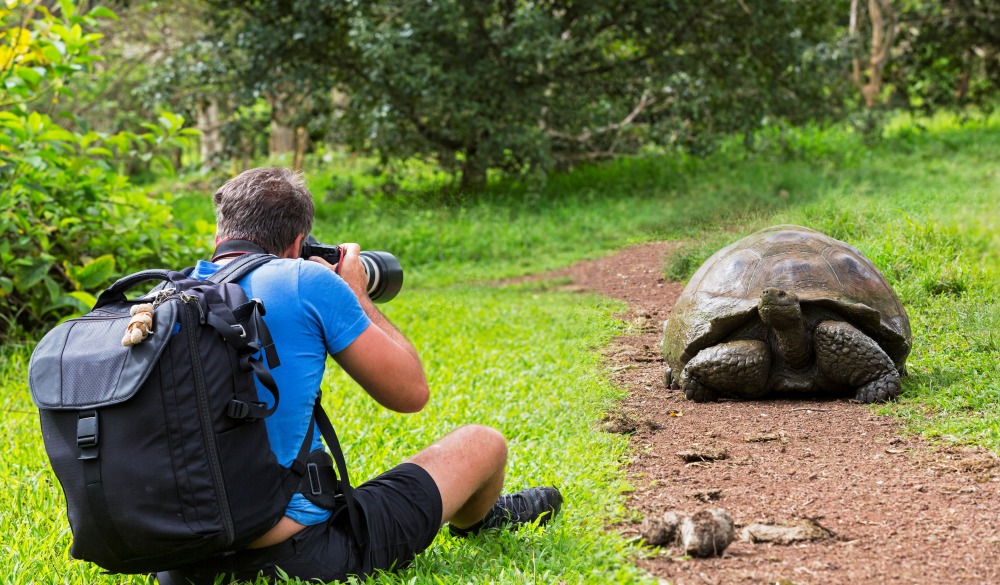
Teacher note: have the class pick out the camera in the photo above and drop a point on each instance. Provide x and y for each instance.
(385, 274)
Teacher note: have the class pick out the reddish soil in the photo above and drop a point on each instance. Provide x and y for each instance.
(901, 509)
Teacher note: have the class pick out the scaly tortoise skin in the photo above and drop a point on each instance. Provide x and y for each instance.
(787, 310)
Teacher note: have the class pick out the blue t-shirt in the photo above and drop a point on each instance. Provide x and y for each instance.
(311, 313)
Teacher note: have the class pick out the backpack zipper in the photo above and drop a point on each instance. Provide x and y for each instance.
(204, 411)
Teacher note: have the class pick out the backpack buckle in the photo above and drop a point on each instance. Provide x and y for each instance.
(86, 429)
(248, 411)
(87, 435)
(315, 484)
(238, 409)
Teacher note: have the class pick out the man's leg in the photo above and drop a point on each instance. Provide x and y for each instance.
(468, 467)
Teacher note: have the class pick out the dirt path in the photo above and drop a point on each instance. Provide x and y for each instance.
(901, 510)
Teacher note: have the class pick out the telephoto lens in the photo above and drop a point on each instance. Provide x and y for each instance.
(385, 275)
(384, 272)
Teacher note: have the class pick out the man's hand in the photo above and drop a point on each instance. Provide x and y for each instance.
(349, 268)
(382, 360)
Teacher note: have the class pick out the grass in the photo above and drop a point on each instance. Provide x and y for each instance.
(521, 362)
(922, 204)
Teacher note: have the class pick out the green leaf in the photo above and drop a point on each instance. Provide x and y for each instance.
(55, 293)
(68, 8)
(58, 134)
(29, 271)
(54, 52)
(166, 165)
(102, 12)
(100, 151)
(86, 299)
(94, 273)
(35, 122)
(29, 75)
(171, 121)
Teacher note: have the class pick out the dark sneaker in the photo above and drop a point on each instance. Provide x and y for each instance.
(511, 510)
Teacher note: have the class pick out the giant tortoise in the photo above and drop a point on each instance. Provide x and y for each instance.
(787, 310)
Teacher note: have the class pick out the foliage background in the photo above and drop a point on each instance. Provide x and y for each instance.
(68, 215)
(480, 140)
(100, 103)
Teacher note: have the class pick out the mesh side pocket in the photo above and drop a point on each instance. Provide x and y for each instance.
(92, 360)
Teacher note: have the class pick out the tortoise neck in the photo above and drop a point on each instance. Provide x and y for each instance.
(793, 344)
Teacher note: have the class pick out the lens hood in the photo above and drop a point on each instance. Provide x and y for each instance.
(385, 275)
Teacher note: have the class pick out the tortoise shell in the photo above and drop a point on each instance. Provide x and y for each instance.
(722, 295)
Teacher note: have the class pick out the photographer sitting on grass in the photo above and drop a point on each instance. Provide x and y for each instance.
(315, 309)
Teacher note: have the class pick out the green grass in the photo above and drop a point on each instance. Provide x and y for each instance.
(525, 364)
(519, 361)
(922, 204)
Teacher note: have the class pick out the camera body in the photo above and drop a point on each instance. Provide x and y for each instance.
(384, 272)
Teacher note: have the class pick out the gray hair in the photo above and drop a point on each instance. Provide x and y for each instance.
(267, 206)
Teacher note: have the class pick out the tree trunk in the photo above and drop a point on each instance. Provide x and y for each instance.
(211, 135)
(301, 144)
(473, 173)
(282, 139)
(883, 23)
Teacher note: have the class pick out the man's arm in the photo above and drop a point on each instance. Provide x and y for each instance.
(381, 359)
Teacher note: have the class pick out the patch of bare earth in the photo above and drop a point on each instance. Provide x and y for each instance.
(900, 509)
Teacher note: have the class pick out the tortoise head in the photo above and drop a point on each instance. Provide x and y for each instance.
(779, 309)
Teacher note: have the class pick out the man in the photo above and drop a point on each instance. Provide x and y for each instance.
(315, 309)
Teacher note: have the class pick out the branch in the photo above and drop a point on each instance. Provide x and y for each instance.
(588, 156)
(408, 110)
(119, 79)
(644, 102)
(883, 31)
(852, 31)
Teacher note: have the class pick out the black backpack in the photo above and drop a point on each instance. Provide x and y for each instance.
(161, 448)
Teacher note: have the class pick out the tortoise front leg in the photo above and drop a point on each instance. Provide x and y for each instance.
(735, 368)
(847, 356)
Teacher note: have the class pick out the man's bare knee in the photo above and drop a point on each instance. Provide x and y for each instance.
(486, 440)
(478, 446)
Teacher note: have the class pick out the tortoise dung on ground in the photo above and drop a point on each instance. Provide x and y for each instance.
(787, 310)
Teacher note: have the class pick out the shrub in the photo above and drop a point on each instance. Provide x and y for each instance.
(69, 218)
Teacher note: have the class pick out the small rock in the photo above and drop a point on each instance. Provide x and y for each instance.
(708, 495)
(802, 530)
(707, 533)
(619, 423)
(703, 534)
(661, 531)
(703, 453)
(763, 438)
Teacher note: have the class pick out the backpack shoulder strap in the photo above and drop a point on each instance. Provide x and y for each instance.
(312, 474)
(358, 525)
(240, 267)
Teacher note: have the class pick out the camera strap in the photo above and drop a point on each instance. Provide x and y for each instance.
(234, 247)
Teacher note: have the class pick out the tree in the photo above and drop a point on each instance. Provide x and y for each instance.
(882, 19)
(154, 56)
(68, 216)
(523, 86)
(948, 54)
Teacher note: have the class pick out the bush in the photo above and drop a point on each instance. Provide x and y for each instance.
(69, 218)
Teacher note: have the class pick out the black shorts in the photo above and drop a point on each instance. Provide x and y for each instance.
(402, 508)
